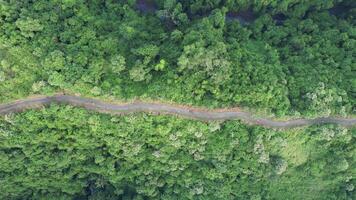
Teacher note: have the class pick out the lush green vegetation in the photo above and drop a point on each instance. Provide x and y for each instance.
(286, 57)
(70, 153)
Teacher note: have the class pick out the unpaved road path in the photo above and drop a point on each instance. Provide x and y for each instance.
(185, 111)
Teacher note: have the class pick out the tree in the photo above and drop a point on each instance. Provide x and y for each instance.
(211, 60)
(173, 12)
(28, 26)
(55, 61)
(139, 73)
(2, 76)
(322, 101)
(118, 64)
(56, 79)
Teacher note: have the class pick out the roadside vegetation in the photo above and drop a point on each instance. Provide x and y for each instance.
(283, 58)
(287, 58)
(63, 152)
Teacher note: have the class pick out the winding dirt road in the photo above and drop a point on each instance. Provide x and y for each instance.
(189, 112)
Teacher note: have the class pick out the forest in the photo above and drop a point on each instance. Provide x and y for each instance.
(285, 58)
(63, 152)
(279, 58)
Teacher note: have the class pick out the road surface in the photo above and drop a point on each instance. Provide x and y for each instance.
(161, 108)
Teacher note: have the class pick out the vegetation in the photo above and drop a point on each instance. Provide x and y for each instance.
(286, 57)
(282, 57)
(69, 153)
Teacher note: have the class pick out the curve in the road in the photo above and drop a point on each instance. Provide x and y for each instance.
(195, 113)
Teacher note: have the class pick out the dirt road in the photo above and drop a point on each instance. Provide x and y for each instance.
(185, 111)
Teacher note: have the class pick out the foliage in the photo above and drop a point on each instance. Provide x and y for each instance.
(185, 51)
(286, 57)
(69, 153)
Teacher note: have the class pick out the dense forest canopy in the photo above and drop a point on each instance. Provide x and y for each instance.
(287, 57)
(69, 153)
(281, 57)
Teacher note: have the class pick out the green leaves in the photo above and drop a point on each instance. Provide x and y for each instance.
(161, 65)
(55, 61)
(322, 100)
(173, 12)
(66, 151)
(118, 64)
(186, 52)
(56, 79)
(29, 26)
